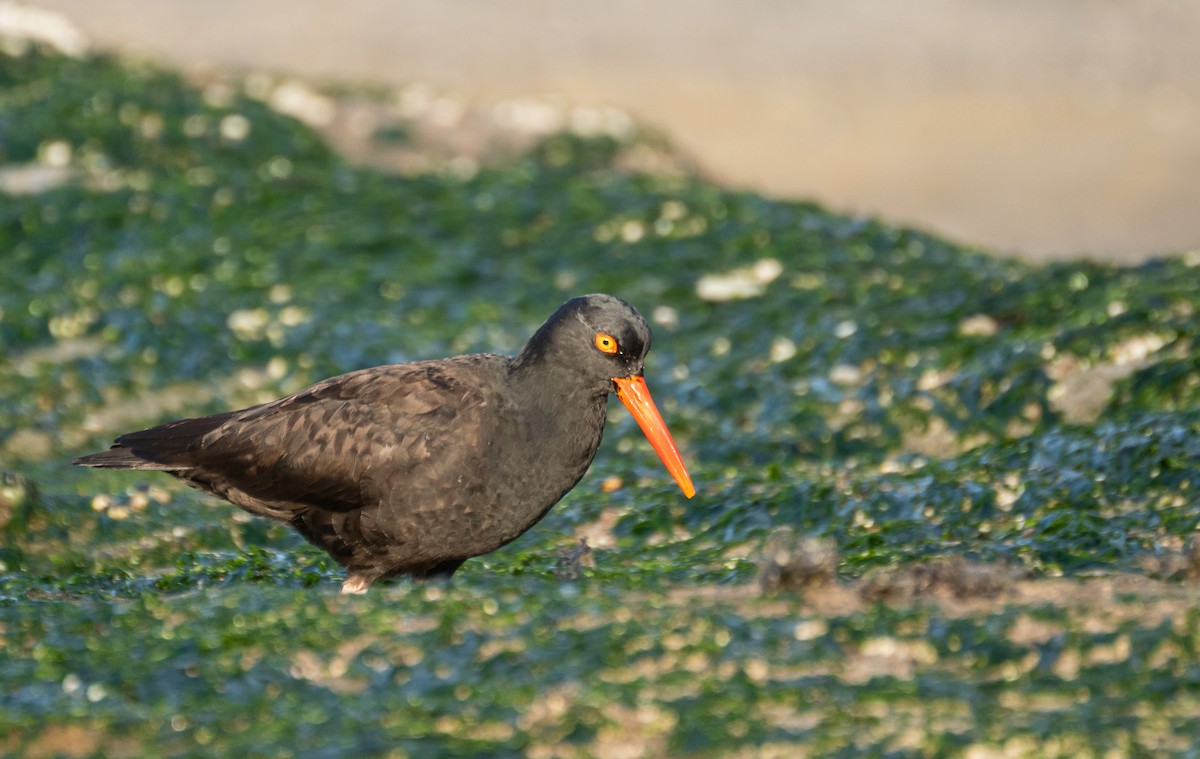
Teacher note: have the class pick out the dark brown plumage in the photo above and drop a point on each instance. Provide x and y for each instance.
(411, 469)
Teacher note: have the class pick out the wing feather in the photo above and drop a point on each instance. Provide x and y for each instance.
(346, 443)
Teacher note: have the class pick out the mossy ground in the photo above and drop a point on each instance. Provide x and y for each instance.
(901, 396)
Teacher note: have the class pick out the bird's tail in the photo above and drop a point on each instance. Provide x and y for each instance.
(119, 457)
(168, 447)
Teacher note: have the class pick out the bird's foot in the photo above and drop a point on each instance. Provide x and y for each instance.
(356, 584)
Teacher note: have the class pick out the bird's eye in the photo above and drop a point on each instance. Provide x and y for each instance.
(606, 343)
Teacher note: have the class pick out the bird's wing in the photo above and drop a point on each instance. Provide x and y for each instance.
(340, 445)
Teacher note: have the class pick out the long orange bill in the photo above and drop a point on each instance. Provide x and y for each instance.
(636, 396)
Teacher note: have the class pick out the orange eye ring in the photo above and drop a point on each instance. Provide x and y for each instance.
(605, 343)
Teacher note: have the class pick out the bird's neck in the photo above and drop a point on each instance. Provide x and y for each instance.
(552, 388)
(566, 419)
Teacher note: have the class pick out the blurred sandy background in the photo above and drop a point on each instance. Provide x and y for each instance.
(1052, 129)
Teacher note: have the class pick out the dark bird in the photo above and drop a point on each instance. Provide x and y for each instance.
(411, 469)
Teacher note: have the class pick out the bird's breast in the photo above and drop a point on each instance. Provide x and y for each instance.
(535, 458)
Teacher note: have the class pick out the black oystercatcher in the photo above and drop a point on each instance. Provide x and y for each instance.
(411, 469)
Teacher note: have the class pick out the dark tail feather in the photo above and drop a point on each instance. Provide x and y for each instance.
(119, 457)
(168, 447)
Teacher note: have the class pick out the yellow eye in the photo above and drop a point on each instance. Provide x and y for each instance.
(606, 343)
